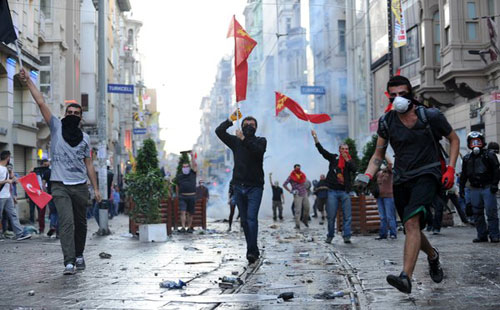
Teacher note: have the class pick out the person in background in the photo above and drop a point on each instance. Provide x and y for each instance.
(297, 180)
(321, 192)
(202, 191)
(116, 199)
(186, 192)
(278, 199)
(385, 202)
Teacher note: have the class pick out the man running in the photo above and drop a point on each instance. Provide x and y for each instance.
(71, 165)
(414, 133)
(248, 175)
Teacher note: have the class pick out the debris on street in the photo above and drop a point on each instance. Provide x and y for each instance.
(172, 285)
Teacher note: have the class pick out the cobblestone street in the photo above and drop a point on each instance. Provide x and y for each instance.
(292, 262)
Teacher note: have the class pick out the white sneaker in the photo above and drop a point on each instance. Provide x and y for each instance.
(69, 270)
(23, 237)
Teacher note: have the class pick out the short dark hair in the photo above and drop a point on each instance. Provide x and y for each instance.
(250, 118)
(74, 105)
(399, 80)
(45, 160)
(296, 165)
(4, 155)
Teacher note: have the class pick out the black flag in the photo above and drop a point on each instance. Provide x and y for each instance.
(7, 32)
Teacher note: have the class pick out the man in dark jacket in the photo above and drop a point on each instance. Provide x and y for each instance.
(480, 170)
(339, 182)
(248, 175)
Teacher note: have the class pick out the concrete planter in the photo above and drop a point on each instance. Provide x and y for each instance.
(153, 233)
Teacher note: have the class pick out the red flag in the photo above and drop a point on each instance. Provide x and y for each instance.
(243, 46)
(32, 188)
(283, 101)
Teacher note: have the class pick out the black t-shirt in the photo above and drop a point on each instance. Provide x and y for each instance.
(414, 148)
(44, 173)
(187, 182)
(277, 192)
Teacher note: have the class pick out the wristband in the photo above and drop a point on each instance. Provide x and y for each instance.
(369, 175)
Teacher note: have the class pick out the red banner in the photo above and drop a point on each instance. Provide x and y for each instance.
(283, 101)
(243, 46)
(32, 188)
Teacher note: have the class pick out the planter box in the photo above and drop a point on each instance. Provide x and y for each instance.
(166, 212)
(153, 233)
(365, 217)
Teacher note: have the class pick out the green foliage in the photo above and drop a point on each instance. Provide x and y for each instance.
(368, 151)
(146, 185)
(353, 151)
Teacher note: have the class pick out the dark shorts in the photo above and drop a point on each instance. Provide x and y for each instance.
(415, 196)
(320, 203)
(187, 203)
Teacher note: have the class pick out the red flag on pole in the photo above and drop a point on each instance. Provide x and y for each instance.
(283, 101)
(243, 46)
(32, 188)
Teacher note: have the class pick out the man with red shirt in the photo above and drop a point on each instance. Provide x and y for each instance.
(297, 180)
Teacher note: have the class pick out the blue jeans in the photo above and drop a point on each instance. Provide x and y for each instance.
(248, 200)
(53, 215)
(332, 205)
(387, 212)
(478, 195)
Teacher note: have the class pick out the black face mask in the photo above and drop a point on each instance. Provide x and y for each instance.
(248, 131)
(71, 133)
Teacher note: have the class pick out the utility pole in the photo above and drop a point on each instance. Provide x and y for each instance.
(102, 123)
(391, 39)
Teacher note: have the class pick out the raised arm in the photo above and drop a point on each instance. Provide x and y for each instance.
(37, 95)
(271, 179)
(194, 164)
(221, 132)
(326, 155)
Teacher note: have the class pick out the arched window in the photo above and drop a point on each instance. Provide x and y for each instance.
(436, 37)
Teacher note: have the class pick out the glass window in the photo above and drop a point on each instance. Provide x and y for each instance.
(491, 8)
(409, 52)
(341, 25)
(45, 7)
(45, 75)
(44, 60)
(471, 31)
(343, 94)
(436, 37)
(471, 10)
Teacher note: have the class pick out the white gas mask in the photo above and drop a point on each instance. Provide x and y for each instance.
(401, 104)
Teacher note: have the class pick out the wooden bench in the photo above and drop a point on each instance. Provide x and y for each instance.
(199, 217)
(166, 212)
(365, 216)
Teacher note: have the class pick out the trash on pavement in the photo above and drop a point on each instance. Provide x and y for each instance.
(223, 298)
(389, 262)
(31, 293)
(274, 226)
(331, 295)
(190, 248)
(199, 262)
(105, 255)
(233, 280)
(235, 273)
(226, 285)
(304, 254)
(30, 230)
(172, 285)
(127, 235)
(286, 296)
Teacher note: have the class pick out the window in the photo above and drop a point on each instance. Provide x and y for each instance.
(491, 8)
(343, 94)
(288, 24)
(341, 25)
(472, 26)
(45, 76)
(409, 52)
(85, 102)
(45, 7)
(436, 37)
(447, 32)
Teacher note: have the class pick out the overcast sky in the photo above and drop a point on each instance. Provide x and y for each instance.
(182, 42)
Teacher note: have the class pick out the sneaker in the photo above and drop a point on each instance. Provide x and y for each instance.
(80, 263)
(190, 230)
(69, 270)
(306, 224)
(23, 237)
(274, 219)
(281, 218)
(478, 240)
(381, 238)
(329, 240)
(401, 282)
(435, 269)
(393, 237)
(315, 216)
(251, 258)
(297, 227)
(347, 240)
(321, 223)
(51, 232)
(182, 230)
(436, 231)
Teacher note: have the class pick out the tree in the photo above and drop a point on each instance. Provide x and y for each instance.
(353, 151)
(146, 185)
(368, 151)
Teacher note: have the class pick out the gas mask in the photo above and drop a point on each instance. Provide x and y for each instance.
(186, 170)
(476, 145)
(248, 131)
(402, 104)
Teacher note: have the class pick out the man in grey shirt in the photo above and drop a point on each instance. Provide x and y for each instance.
(71, 165)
